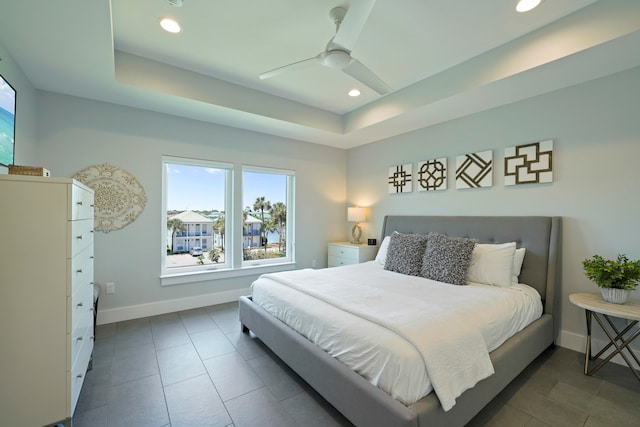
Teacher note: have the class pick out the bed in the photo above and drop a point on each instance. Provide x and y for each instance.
(367, 405)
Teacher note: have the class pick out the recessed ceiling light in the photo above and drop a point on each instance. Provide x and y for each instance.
(170, 25)
(354, 92)
(527, 5)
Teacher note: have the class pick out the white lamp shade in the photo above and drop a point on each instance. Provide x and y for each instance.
(356, 214)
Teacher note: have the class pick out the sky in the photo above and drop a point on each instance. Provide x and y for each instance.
(7, 96)
(199, 188)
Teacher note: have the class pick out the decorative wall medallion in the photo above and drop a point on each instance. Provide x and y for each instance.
(400, 179)
(529, 163)
(119, 197)
(474, 170)
(432, 175)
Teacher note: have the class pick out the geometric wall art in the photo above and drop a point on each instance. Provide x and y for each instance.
(432, 175)
(400, 179)
(529, 163)
(474, 170)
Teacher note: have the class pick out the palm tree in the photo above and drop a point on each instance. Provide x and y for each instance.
(218, 226)
(245, 251)
(262, 204)
(175, 225)
(279, 216)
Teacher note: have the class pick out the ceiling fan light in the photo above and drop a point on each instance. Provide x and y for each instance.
(170, 25)
(527, 5)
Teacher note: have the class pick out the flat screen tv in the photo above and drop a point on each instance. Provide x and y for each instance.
(7, 122)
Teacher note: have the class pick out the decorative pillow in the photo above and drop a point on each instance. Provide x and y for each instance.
(518, 259)
(404, 254)
(446, 259)
(492, 264)
(381, 256)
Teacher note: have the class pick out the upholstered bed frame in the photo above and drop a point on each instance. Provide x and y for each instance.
(366, 405)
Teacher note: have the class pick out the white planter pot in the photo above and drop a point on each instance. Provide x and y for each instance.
(615, 296)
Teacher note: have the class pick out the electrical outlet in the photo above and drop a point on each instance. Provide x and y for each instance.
(110, 287)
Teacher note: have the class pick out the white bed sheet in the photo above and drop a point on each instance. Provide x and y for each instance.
(377, 353)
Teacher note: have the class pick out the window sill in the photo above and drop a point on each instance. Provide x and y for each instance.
(208, 275)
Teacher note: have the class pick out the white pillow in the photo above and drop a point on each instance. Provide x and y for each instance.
(518, 258)
(381, 256)
(492, 264)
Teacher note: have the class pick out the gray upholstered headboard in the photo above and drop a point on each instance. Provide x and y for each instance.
(539, 234)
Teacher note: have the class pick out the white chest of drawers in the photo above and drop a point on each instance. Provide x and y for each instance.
(345, 253)
(46, 297)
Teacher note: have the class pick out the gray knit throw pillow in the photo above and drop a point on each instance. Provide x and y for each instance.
(405, 252)
(447, 259)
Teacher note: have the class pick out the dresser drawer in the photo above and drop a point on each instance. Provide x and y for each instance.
(81, 203)
(80, 236)
(81, 269)
(81, 302)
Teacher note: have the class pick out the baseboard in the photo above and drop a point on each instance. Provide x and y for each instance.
(578, 343)
(168, 306)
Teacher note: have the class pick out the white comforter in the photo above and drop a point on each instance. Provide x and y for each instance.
(406, 335)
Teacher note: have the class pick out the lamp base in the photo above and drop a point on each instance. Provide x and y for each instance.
(356, 233)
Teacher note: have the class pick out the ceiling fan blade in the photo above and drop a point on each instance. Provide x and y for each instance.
(360, 72)
(353, 23)
(305, 63)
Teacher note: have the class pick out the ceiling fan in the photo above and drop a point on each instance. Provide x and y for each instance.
(337, 54)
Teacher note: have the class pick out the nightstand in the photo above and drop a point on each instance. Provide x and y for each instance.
(345, 253)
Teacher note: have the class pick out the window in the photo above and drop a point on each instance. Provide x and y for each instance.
(196, 199)
(207, 231)
(267, 195)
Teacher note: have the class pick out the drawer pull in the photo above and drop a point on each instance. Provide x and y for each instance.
(79, 376)
(79, 270)
(79, 237)
(92, 338)
(79, 304)
(79, 339)
(79, 203)
(90, 231)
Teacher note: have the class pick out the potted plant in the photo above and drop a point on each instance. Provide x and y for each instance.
(616, 278)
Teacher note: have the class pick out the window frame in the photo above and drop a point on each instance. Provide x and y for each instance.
(228, 203)
(289, 203)
(234, 265)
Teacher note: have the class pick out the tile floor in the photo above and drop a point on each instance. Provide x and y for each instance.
(196, 368)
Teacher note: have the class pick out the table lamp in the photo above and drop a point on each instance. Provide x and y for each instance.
(357, 215)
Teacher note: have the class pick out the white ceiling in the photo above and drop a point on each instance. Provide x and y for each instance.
(443, 59)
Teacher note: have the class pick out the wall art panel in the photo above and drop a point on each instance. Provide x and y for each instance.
(474, 170)
(529, 163)
(400, 179)
(432, 175)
